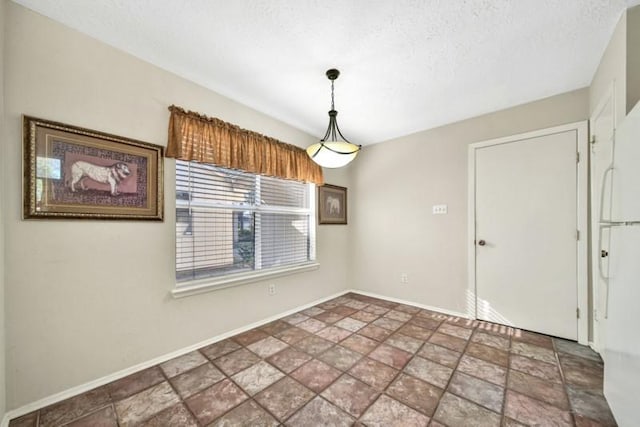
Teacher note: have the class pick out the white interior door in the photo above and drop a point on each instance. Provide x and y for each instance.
(602, 125)
(526, 233)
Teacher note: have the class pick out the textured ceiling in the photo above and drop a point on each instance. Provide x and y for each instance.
(407, 65)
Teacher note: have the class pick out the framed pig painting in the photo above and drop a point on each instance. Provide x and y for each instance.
(71, 172)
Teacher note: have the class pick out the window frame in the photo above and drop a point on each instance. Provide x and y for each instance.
(206, 284)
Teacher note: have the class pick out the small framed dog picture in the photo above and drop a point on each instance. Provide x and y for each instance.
(332, 204)
(71, 172)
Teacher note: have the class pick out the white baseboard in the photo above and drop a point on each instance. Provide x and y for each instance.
(74, 391)
(414, 304)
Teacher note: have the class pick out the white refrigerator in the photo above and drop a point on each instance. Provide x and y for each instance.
(620, 267)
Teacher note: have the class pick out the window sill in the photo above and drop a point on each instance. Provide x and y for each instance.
(185, 289)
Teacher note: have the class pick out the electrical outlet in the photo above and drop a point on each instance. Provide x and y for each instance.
(439, 209)
(404, 278)
(272, 289)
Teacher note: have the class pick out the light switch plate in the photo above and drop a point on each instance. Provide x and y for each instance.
(439, 209)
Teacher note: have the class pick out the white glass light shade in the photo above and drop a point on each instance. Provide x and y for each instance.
(333, 154)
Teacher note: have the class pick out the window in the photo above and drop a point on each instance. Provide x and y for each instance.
(237, 224)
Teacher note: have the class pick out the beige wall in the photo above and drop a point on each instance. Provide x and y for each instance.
(89, 298)
(633, 57)
(395, 184)
(3, 181)
(612, 68)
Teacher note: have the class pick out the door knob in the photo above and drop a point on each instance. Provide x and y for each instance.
(604, 254)
(482, 242)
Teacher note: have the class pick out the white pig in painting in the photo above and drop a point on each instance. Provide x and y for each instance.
(112, 175)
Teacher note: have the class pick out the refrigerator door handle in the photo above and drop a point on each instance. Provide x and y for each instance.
(607, 172)
(605, 278)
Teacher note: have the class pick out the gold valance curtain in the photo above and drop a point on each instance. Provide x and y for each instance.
(193, 136)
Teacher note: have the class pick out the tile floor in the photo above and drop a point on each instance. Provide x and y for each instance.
(356, 360)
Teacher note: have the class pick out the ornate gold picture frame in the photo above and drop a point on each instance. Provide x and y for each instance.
(72, 172)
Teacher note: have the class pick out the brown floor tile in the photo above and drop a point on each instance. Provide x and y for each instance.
(267, 347)
(344, 311)
(358, 305)
(197, 379)
(257, 377)
(329, 317)
(316, 375)
(364, 316)
(313, 345)
(489, 354)
(533, 338)
(350, 394)
(313, 311)
(340, 357)
(496, 329)
(177, 415)
(582, 372)
(135, 383)
(452, 343)
(144, 405)
(441, 355)
(210, 403)
(540, 389)
(481, 392)
(508, 422)
(295, 318)
(289, 359)
(250, 337)
(292, 335)
(546, 371)
(533, 351)
(415, 331)
(236, 361)
(484, 370)
(359, 343)
(490, 340)
(319, 409)
(582, 421)
(389, 412)
(219, 349)
(407, 308)
(275, 327)
(455, 331)
(350, 324)
(375, 332)
(575, 349)
(398, 315)
(591, 404)
(284, 397)
(404, 342)
(312, 325)
(249, 414)
(183, 363)
(28, 420)
(105, 417)
(386, 323)
(76, 407)
(429, 371)
(374, 373)
(391, 356)
(426, 323)
(416, 393)
(530, 411)
(333, 333)
(376, 309)
(462, 322)
(454, 411)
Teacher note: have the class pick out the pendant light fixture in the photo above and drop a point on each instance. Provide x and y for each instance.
(333, 150)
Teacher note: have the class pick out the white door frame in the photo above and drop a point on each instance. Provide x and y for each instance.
(581, 129)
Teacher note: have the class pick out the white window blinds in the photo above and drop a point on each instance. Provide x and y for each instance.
(233, 222)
